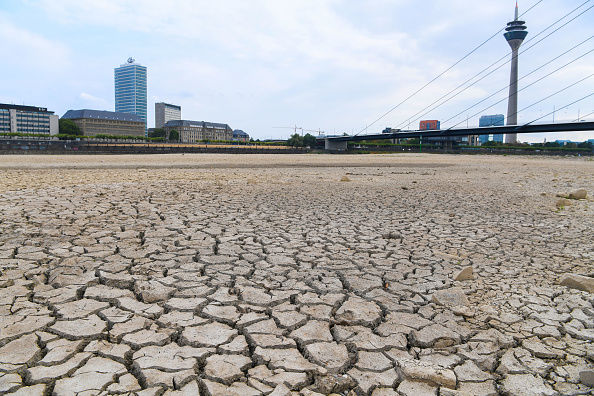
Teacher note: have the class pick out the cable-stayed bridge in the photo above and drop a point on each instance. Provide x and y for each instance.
(341, 142)
(515, 33)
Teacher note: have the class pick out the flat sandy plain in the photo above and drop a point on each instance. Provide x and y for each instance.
(294, 274)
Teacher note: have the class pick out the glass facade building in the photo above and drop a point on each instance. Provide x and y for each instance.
(4, 120)
(130, 89)
(491, 120)
(27, 119)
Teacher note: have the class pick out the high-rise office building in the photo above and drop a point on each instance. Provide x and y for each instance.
(491, 120)
(27, 119)
(166, 112)
(130, 89)
(515, 35)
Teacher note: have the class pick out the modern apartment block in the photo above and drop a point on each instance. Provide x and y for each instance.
(130, 89)
(195, 131)
(27, 119)
(166, 112)
(98, 122)
(491, 120)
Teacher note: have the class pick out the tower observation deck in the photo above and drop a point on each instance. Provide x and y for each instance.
(515, 35)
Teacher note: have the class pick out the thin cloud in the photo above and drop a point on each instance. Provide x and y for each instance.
(95, 102)
(26, 50)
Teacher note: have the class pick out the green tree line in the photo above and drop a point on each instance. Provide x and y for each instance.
(297, 140)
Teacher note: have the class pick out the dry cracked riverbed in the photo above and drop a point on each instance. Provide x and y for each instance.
(295, 275)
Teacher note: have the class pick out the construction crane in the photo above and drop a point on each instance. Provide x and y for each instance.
(319, 130)
(294, 128)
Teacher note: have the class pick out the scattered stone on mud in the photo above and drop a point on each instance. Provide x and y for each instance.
(563, 202)
(579, 282)
(453, 297)
(579, 193)
(466, 273)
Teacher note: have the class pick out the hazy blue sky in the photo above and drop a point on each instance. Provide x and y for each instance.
(330, 65)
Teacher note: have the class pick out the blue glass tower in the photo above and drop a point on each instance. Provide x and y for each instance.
(491, 120)
(130, 89)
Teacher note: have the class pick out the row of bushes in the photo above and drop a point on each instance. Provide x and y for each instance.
(63, 136)
(241, 143)
(20, 134)
(130, 137)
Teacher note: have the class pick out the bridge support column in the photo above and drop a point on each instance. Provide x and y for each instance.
(447, 146)
(335, 145)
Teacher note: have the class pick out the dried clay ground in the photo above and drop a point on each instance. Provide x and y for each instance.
(294, 275)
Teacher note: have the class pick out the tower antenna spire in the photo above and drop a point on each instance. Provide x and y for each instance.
(516, 17)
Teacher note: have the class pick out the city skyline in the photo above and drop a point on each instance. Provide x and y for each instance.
(335, 66)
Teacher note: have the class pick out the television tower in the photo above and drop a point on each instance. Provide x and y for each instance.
(515, 35)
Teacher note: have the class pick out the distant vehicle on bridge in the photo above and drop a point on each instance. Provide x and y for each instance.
(427, 125)
(391, 130)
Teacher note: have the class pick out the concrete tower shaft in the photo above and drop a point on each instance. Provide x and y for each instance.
(515, 35)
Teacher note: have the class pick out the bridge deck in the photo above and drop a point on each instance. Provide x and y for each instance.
(527, 128)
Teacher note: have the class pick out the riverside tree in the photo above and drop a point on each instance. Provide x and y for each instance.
(158, 132)
(174, 135)
(68, 127)
(309, 141)
(295, 141)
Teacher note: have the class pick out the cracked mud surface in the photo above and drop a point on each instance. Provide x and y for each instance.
(294, 275)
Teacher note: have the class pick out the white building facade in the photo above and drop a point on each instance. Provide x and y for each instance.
(27, 119)
(166, 112)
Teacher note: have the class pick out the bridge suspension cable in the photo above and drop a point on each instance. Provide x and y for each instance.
(578, 119)
(506, 87)
(561, 90)
(564, 107)
(442, 73)
(415, 118)
(532, 72)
